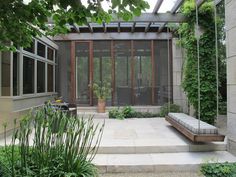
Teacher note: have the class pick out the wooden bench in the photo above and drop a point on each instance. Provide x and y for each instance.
(188, 126)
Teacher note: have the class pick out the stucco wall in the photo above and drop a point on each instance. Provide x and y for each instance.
(230, 15)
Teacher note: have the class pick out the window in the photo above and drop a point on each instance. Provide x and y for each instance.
(50, 78)
(28, 75)
(31, 47)
(6, 69)
(41, 49)
(50, 53)
(40, 77)
(16, 74)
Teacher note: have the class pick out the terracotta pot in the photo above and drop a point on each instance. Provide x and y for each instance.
(101, 105)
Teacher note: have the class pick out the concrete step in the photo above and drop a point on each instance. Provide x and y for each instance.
(95, 115)
(158, 162)
(155, 147)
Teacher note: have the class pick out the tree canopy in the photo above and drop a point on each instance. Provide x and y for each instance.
(21, 20)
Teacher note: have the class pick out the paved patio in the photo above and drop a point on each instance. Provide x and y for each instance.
(149, 135)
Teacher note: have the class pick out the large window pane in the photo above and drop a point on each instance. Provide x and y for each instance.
(142, 73)
(50, 78)
(6, 69)
(31, 47)
(40, 77)
(41, 49)
(102, 64)
(16, 74)
(122, 52)
(28, 75)
(162, 87)
(50, 53)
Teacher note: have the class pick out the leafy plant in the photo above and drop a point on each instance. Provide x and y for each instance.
(166, 108)
(219, 169)
(116, 113)
(188, 40)
(66, 148)
(102, 89)
(30, 18)
(128, 112)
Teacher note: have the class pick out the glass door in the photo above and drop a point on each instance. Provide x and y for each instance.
(83, 60)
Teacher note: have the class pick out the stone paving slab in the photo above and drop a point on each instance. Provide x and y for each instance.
(149, 135)
(159, 162)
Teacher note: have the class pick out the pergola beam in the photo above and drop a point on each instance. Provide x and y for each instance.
(217, 2)
(161, 27)
(176, 6)
(200, 2)
(157, 6)
(118, 27)
(90, 27)
(148, 27)
(149, 17)
(76, 27)
(112, 36)
(133, 27)
(104, 27)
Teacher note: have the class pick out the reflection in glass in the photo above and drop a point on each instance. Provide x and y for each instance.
(6, 69)
(28, 75)
(40, 77)
(41, 48)
(50, 78)
(16, 74)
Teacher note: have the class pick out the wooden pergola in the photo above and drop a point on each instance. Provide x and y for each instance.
(147, 22)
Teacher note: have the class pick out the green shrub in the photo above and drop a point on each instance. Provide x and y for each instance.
(116, 113)
(128, 112)
(219, 169)
(62, 146)
(166, 108)
(223, 108)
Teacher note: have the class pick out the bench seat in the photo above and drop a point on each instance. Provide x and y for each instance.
(189, 127)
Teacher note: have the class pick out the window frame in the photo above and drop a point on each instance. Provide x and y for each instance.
(36, 59)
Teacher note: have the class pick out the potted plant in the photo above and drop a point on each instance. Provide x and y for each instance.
(102, 90)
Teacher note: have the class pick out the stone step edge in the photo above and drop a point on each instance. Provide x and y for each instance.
(160, 149)
(161, 162)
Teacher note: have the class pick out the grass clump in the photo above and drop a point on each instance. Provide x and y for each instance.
(62, 146)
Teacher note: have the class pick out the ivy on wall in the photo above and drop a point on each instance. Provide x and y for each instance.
(188, 40)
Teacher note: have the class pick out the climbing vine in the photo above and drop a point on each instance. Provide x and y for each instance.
(188, 40)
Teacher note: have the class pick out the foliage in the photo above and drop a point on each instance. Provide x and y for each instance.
(62, 145)
(116, 113)
(30, 17)
(129, 112)
(207, 58)
(102, 89)
(166, 108)
(219, 169)
(223, 108)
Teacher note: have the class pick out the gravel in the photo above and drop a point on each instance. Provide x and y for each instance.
(176, 174)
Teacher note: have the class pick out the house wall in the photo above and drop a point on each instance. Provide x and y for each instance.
(230, 20)
(179, 96)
